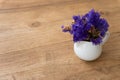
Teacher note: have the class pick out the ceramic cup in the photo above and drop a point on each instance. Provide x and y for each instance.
(87, 50)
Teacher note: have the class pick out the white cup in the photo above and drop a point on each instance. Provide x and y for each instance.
(87, 50)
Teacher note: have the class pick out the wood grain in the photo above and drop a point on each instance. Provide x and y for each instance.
(32, 46)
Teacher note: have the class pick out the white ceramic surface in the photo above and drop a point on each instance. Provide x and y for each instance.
(87, 50)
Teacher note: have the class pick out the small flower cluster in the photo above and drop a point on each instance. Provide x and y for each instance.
(90, 27)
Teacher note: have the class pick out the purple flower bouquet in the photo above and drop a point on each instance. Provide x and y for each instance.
(89, 31)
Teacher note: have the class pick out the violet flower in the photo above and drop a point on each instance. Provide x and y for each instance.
(90, 27)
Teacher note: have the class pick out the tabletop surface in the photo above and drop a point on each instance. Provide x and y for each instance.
(33, 47)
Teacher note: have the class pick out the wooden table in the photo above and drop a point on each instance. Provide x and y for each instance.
(33, 47)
